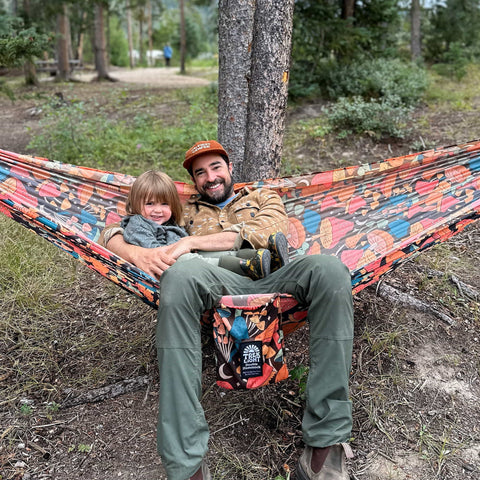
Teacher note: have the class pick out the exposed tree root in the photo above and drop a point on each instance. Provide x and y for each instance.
(102, 78)
(395, 295)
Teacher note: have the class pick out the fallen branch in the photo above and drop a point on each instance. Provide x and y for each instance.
(463, 288)
(107, 392)
(395, 295)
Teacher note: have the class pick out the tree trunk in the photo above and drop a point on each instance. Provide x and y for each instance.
(348, 9)
(150, 33)
(141, 53)
(30, 73)
(254, 58)
(235, 31)
(100, 48)
(183, 39)
(81, 38)
(29, 69)
(63, 66)
(106, 25)
(415, 38)
(69, 39)
(129, 35)
(268, 88)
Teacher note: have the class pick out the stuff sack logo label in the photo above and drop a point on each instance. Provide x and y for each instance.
(251, 359)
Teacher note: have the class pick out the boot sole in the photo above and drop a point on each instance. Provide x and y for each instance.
(280, 248)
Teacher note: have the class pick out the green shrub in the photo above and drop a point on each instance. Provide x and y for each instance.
(386, 116)
(453, 62)
(379, 78)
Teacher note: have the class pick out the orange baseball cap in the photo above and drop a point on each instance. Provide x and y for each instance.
(202, 147)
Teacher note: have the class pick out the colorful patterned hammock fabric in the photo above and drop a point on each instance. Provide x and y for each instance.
(373, 216)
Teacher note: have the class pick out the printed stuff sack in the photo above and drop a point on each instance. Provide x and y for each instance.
(249, 345)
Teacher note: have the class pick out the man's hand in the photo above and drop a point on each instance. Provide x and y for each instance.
(153, 261)
(184, 245)
(211, 243)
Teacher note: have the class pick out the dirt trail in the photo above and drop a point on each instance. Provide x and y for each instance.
(167, 77)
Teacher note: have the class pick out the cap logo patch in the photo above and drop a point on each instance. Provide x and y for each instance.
(197, 148)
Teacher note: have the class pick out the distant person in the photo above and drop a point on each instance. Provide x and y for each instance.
(167, 53)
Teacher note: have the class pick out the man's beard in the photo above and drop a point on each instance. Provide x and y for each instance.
(217, 197)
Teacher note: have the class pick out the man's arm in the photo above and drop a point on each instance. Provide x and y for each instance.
(153, 261)
(211, 243)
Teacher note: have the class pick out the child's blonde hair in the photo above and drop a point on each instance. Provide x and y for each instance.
(154, 186)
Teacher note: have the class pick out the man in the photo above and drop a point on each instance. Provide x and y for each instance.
(219, 219)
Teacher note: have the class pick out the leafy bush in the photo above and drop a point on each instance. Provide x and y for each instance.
(454, 62)
(386, 116)
(377, 78)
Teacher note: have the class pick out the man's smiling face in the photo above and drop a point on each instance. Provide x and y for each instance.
(213, 177)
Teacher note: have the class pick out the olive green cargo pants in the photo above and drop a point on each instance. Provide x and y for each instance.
(188, 289)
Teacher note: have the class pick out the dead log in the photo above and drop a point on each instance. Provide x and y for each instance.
(104, 393)
(395, 295)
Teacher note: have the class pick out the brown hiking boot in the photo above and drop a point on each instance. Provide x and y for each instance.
(334, 467)
(205, 472)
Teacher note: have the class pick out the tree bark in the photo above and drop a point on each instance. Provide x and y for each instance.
(415, 34)
(30, 73)
(100, 47)
(254, 60)
(150, 33)
(183, 37)
(29, 69)
(268, 89)
(63, 66)
(235, 32)
(129, 34)
(141, 52)
(81, 38)
(348, 9)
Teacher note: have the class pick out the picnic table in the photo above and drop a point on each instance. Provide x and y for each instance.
(51, 66)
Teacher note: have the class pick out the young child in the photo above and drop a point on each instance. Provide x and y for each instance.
(154, 219)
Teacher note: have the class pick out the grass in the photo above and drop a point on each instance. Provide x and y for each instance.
(34, 290)
(448, 93)
(300, 134)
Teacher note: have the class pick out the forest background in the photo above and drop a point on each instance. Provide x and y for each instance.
(368, 80)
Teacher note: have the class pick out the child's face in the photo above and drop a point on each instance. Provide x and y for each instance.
(158, 212)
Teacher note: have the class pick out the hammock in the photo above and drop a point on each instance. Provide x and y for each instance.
(373, 216)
